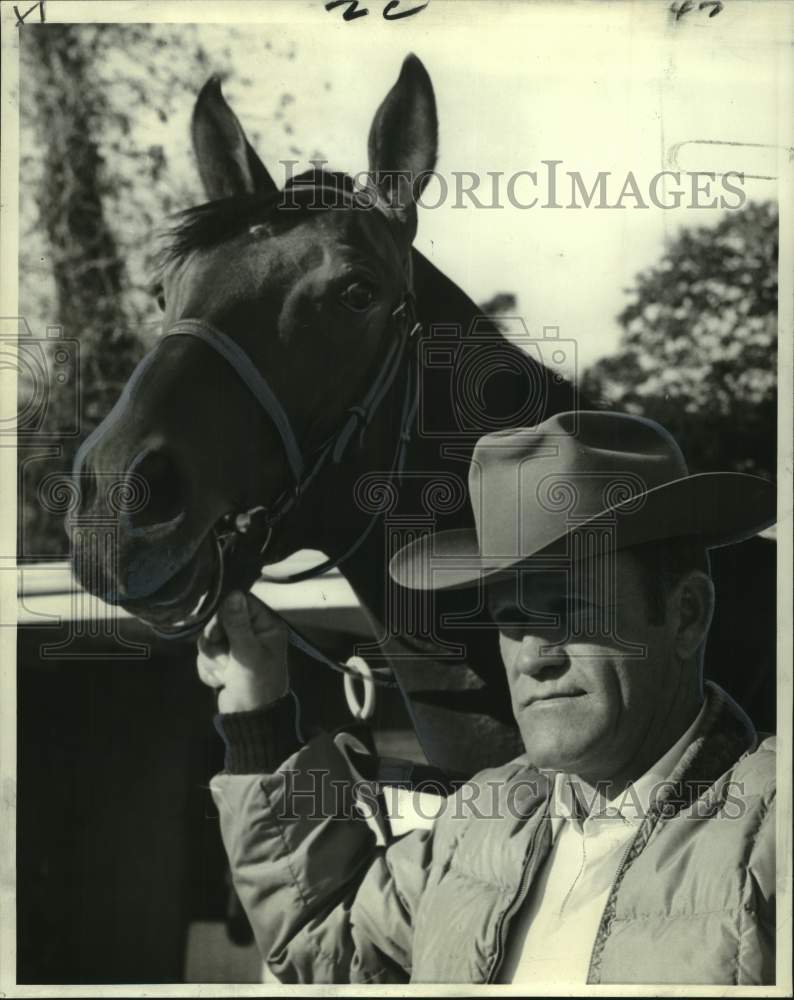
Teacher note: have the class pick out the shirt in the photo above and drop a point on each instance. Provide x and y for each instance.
(553, 934)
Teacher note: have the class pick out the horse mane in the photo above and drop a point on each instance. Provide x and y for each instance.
(214, 222)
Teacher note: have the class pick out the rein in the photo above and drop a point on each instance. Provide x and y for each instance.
(252, 529)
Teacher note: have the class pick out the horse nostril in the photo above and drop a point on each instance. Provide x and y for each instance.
(159, 478)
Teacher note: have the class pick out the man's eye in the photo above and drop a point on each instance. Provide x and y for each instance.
(358, 296)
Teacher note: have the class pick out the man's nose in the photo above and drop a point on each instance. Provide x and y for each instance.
(538, 653)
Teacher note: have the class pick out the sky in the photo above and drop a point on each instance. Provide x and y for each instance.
(599, 86)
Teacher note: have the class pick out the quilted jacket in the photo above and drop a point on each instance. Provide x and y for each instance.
(693, 900)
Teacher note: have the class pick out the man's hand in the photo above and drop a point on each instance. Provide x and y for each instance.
(243, 653)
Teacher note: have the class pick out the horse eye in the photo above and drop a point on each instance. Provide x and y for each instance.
(159, 297)
(358, 296)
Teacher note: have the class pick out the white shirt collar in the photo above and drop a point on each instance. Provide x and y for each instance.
(630, 805)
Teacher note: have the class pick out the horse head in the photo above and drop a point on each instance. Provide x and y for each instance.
(304, 296)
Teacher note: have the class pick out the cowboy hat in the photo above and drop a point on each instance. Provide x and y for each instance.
(538, 491)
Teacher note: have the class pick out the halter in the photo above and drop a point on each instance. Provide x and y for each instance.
(252, 529)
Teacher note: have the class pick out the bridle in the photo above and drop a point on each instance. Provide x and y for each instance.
(244, 537)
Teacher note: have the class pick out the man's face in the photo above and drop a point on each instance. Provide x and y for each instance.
(586, 700)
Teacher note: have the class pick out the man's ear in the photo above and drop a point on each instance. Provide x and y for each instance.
(403, 140)
(692, 611)
(226, 160)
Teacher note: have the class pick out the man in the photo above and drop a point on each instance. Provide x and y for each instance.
(634, 840)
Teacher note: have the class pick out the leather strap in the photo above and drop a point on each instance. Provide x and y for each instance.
(251, 377)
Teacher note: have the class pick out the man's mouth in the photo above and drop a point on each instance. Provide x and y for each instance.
(554, 698)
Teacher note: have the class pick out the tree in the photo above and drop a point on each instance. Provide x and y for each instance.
(698, 351)
(87, 272)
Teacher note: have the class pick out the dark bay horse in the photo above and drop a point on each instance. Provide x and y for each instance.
(367, 376)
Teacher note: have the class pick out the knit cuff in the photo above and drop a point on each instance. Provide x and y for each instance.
(259, 741)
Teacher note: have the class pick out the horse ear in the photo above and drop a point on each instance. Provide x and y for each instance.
(226, 160)
(404, 135)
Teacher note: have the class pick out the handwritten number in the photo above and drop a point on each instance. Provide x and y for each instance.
(404, 13)
(679, 9)
(390, 11)
(352, 11)
(22, 17)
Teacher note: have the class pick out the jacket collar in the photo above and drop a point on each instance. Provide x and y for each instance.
(725, 735)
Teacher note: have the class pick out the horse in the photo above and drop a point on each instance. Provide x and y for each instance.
(319, 384)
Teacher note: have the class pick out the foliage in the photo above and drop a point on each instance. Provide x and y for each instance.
(87, 272)
(699, 346)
